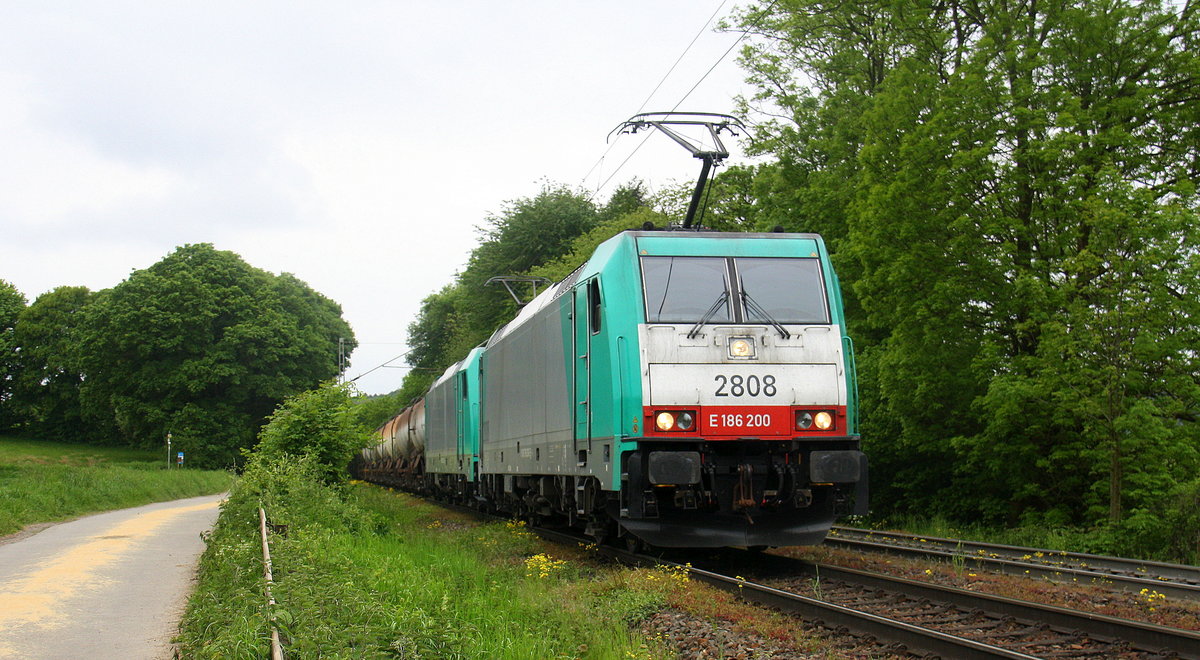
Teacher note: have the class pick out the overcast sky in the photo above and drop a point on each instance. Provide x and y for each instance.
(356, 146)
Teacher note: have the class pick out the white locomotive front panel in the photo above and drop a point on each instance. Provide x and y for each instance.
(743, 381)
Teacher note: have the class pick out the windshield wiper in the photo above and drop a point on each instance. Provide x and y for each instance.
(753, 306)
(712, 311)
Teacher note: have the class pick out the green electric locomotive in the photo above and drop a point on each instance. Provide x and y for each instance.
(681, 389)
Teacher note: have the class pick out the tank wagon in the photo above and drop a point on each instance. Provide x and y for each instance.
(681, 388)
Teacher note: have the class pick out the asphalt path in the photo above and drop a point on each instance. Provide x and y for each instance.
(111, 585)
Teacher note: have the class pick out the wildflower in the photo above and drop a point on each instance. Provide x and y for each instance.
(542, 565)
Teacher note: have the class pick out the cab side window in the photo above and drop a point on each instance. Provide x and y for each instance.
(594, 306)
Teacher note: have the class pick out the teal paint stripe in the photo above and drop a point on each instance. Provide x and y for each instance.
(728, 245)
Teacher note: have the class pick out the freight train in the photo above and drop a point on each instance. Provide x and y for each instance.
(680, 389)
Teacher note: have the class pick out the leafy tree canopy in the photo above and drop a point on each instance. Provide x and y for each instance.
(12, 302)
(1009, 191)
(547, 235)
(46, 386)
(203, 346)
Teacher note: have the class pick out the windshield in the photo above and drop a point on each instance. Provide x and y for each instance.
(682, 289)
(789, 290)
(780, 289)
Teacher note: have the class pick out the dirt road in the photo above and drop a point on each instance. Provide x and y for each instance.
(112, 585)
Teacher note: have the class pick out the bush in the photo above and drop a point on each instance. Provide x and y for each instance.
(317, 423)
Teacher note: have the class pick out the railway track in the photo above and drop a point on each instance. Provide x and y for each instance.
(1172, 580)
(907, 617)
(1030, 629)
(902, 616)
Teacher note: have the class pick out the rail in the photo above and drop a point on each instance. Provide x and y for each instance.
(1174, 580)
(1148, 638)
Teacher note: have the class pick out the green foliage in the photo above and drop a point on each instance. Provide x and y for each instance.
(12, 303)
(44, 481)
(1009, 198)
(316, 423)
(46, 386)
(366, 573)
(431, 335)
(203, 346)
(730, 201)
(227, 615)
(547, 235)
(528, 233)
(370, 412)
(583, 246)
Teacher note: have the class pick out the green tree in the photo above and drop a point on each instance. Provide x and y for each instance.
(730, 201)
(548, 236)
(1008, 189)
(432, 333)
(12, 302)
(317, 423)
(529, 232)
(46, 387)
(584, 245)
(203, 346)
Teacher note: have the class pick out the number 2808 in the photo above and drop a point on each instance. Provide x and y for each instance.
(737, 385)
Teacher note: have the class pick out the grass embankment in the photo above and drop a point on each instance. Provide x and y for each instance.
(367, 573)
(364, 572)
(44, 481)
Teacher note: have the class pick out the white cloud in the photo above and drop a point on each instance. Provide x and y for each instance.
(49, 180)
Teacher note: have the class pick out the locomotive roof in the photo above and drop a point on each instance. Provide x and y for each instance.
(657, 236)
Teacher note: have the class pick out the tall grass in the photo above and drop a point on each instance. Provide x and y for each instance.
(47, 481)
(367, 573)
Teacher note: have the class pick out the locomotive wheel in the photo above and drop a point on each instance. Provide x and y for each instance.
(633, 544)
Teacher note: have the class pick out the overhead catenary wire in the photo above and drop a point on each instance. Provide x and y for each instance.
(385, 363)
(745, 33)
(654, 91)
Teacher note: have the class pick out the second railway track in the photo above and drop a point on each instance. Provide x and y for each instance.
(1173, 580)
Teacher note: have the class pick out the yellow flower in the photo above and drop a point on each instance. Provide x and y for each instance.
(542, 565)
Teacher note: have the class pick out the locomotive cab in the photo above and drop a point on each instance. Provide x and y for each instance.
(748, 411)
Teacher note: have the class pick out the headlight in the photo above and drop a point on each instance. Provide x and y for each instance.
(675, 420)
(665, 421)
(685, 421)
(804, 421)
(741, 347)
(823, 420)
